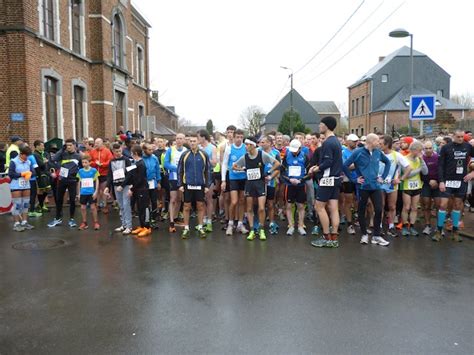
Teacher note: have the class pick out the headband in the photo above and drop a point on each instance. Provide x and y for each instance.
(248, 141)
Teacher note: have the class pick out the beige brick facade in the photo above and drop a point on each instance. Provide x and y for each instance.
(27, 57)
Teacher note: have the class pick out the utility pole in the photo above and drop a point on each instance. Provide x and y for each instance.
(291, 106)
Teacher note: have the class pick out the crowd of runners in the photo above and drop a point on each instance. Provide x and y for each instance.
(314, 183)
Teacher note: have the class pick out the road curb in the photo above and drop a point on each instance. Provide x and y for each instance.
(469, 235)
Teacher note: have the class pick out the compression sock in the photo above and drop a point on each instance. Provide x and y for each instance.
(441, 219)
(456, 217)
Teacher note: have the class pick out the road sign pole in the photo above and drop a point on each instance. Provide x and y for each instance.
(421, 127)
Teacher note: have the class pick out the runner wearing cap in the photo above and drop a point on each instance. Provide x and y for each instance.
(348, 186)
(253, 163)
(430, 190)
(454, 161)
(327, 196)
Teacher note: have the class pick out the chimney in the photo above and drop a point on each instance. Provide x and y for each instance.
(154, 95)
(381, 58)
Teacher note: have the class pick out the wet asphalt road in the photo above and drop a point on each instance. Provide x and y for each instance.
(107, 294)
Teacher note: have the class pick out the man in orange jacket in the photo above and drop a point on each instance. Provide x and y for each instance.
(100, 159)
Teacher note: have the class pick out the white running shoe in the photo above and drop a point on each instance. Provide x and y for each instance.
(351, 230)
(427, 230)
(364, 239)
(119, 229)
(290, 231)
(127, 231)
(379, 241)
(301, 231)
(229, 230)
(242, 229)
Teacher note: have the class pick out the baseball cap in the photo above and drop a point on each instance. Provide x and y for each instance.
(352, 137)
(363, 138)
(295, 144)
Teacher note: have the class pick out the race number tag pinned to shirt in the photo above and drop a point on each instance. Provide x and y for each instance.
(22, 183)
(194, 187)
(413, 185)
(151, 184)
(87, 182)
(454, 184)
(294, 171)
(254, 174)
(327, 181)
(118, 174)
(131, 167)
(64, 172)
(459, 170)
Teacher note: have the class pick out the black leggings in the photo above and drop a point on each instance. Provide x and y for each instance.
(154, 203)
(376, 198)
(142, 199)
(33, 194)
(71, 187)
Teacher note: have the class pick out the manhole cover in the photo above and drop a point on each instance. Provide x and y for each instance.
(40, 244)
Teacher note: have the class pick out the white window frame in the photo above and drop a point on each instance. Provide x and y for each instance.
(59, 97)
(386, 77)
(56, 24)
(85, 113)
(81, 30)
(123, 54)
(140, 69)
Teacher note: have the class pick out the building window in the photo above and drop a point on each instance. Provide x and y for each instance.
(118, 41)
(119, 110)
(353, 108)
(79, 112)
(384, 78)
(51, 101)
(357, 131)
(357, 107)
(439, 93)
(362, 103)
(76, 25)
(140, 66)
(48, 19)
(362, 131)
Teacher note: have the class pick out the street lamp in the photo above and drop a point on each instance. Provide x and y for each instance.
(402, 33)
(291, 98)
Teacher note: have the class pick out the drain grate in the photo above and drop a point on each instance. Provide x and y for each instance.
(40, 244)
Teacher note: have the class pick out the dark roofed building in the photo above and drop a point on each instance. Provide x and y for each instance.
(380, 98)
(308, 114)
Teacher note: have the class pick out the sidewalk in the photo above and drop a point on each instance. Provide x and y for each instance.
(468, 230)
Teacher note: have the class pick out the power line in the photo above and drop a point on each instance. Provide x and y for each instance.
(350, 35)
(330, 39)
(350, 50)
(281, 91)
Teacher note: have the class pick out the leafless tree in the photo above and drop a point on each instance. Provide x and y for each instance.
(251, 119)
(466, 99)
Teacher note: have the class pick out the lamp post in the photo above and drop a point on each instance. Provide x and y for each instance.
(291, 98)
(402, 33)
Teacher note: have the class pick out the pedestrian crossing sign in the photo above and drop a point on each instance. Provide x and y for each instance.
(422, 107)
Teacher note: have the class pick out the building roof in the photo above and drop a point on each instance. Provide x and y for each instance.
(399, 101)
(325, 107)
(162, 130)
(140, 17)
(165, 108)
(402, 52)
(307, 112)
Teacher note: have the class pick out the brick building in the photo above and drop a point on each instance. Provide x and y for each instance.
(379, 100)
(72, 68)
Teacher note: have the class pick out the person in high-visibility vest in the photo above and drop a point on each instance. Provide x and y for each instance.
(13, 150)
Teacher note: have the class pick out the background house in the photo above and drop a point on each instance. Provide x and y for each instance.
(379, 100)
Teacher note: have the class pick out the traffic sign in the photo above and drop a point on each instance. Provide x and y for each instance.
(422, 107)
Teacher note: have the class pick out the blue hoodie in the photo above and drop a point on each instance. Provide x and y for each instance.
(367, 166)
(152, 169)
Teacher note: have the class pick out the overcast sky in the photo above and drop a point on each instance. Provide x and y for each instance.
(213, 58)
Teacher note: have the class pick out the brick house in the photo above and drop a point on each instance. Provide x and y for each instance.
(379, 100)
(72, 68)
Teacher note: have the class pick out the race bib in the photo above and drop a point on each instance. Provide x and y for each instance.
(454, 184)
(193, 187)
(151, 184)
(387, 181)
(173, 176)
(87, 182)
(459, 170)
(413, 185)
(294, 171)
(131, 167)
(254, 174)
(22, 183)
(327, 181)
(64, 172)
(118, 174)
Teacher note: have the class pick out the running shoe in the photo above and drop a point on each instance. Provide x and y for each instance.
(229, 230)
(185, 234)
(119, 229)
(27, 226)
(437, 236)
(55, 222)
(172, 229)
(262, 235)
(72, 223)
(96, 226)
(290, 231)
(315, 230)
(242, 229)
(351, 230)
(127, 231)
(414, 232)
(399, 226)
(364, 239)
(34, 214)
(392, 232)
(83, 226)
(208, 227)
(144, 233)
(251, 235)
(137, 230)
(456, 237)
(332, 243)
(17, 227)
(321, 242)
(427, 230)
(202, 232)
(405, 231)
(301, 231)
(380, 241)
